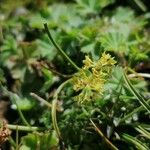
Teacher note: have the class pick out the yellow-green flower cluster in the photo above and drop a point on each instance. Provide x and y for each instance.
(90, 80)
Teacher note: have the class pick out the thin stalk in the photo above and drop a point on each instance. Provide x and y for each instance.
(58, 48)
(141, 5)
(137, 143)
(17, 138)
(56, 72)
(12, 142)
(140, 108)
(111, 146)
(145, 75)
(24, 128)
(21, 115)
(18, 109)
(145, 126)
(144, 132)
(139, 97)
(40, 99)
(54, 106)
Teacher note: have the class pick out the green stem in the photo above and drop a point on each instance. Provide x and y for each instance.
(58, 48)
(134, 141)
(12, 142)
(21, 115)
(141, 5)
(133, 112)
(24, 128)
(17, 139)
(54, 108)
(18, 109)
(139, 97)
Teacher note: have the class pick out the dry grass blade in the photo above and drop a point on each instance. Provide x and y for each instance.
(111, 146)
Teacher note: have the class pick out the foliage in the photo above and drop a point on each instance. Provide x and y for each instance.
(39, 141)
(89, 75)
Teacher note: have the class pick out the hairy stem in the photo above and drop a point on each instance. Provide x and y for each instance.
(58, 48)
(54, 106)
(40, 99)
(24, 128)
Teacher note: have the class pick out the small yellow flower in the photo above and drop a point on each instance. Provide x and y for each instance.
(87, 62)
(91, 78)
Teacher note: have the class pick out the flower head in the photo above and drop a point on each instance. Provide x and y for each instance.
(91, 78)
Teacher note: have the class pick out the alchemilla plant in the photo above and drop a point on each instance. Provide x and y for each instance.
(90, 90)
(90, 79)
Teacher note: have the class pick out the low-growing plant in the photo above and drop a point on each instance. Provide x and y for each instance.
(81, 81)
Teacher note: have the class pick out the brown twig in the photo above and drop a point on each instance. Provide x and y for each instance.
(113, 147)
(40, 99)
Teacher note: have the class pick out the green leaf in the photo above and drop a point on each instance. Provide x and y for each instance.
(48, 76)
(36, 21)
(24, 147)
(141, 5)
(43, 141)
(88, 48)
(114, 41)
(46, 50)
(92, 6)
(23, 103)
